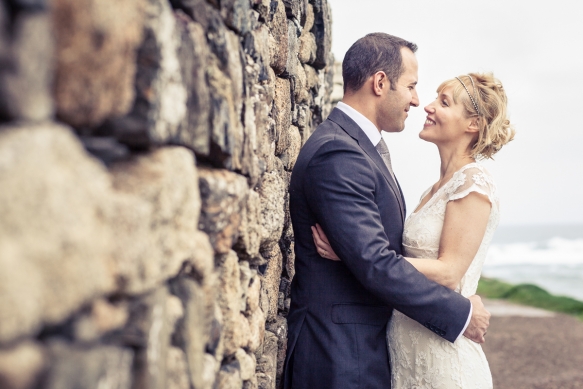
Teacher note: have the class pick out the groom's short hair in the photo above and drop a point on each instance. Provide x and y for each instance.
(372, 53)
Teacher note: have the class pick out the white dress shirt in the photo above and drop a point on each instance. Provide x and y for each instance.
(374, 135)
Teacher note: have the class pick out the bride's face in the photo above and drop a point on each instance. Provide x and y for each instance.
(445, 122)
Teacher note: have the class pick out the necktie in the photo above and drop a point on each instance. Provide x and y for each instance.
(386, 156)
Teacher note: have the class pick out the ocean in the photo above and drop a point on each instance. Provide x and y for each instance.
(550, 256)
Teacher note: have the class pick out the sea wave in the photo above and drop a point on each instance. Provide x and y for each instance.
(555, 264)
(552, 251)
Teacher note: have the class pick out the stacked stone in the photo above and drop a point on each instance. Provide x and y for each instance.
(145, 154)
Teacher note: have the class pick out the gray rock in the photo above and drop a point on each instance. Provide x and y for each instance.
(177, 369)
(224, 195)
(246, 275)
(210, 370)
(272, 194)
(292, 62)
(292, 139)
(96, 47)
(267, 363)
(256, 330)
(102, 317)
(279, 31)
(279, 328)
(296, 9)
(236, 15)
(148, 332)
(21, 365)
(250, 233)
(229, 299)
(229, 377)
(192, 332)
(247, 364)
(194, 54)
(98, 367)
(308, 48)
(323, 32)
(282, 112)
(271, 280)
(55, 239)
(165, 180)
(160, 105)
(26, 76)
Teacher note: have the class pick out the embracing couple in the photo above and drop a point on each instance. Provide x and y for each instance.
(379, 301)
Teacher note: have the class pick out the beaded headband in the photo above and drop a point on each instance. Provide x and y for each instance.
(469, 94)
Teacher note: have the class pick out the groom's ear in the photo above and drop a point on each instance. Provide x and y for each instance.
(380, 83)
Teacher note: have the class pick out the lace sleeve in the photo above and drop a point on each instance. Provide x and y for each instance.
(474, 178)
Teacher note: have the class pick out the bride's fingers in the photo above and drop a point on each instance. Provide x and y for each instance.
(322, 234)
(319, 243)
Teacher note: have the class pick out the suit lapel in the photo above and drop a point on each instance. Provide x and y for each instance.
(340, 118)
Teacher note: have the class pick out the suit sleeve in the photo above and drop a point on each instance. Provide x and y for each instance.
(340, 188)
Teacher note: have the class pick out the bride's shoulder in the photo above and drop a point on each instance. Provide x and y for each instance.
(473, 177)
(477, 173)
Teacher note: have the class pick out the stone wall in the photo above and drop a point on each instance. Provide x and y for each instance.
(145, 153)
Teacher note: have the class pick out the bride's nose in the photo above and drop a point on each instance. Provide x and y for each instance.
(429, 109)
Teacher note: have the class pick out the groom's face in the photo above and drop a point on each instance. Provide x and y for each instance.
(395, 106)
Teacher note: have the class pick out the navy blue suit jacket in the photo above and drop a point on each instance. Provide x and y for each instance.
(339, 310)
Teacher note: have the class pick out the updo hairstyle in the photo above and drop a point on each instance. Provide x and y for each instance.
(494, 127)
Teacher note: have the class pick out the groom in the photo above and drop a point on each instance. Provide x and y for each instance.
(343, 180)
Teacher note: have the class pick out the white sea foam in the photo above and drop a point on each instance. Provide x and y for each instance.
(555, 264)
(553, 251)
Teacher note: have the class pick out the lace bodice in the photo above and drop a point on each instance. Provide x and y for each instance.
(423, 228)
(419, 358)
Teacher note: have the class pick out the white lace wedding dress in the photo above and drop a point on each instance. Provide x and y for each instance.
(419, 358)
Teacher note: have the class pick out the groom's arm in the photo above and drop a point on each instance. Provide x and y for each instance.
(340, 187)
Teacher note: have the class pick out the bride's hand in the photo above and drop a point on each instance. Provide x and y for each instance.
(322, 245)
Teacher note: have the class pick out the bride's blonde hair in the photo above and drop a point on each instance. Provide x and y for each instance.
(490, 101)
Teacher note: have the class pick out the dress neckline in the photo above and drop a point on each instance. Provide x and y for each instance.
(441, 187)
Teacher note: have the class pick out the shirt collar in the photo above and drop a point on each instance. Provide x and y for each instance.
(365, 125)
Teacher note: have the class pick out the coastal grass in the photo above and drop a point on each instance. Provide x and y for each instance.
(531, 295)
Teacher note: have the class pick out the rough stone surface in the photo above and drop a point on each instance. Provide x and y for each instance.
(177, 374)
(229, 298)
(279, 328)
(267, 363)
(96, 46)
(148, 331)
(166, 180)
(21, 365)
(246, 364)
(282, 112)
(249, 240)
(27, 66)
(321, 30)
(223, 200)
(191, 334)
(92, 368)
(279, 33)
(159, 108)
(271, 280)
(194, 54)
(272, 194)
(124, 260)
(54, 244)
(101, 318)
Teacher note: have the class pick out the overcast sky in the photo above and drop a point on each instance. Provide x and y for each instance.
(535, 49)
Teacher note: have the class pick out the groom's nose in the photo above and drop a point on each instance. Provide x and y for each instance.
(414, 98)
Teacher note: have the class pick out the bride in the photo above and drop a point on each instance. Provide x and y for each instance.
(447, 235)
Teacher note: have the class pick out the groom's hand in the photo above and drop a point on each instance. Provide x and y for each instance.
(479, 322)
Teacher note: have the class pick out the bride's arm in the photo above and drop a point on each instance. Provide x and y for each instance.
(464, 227)
(463, 230)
